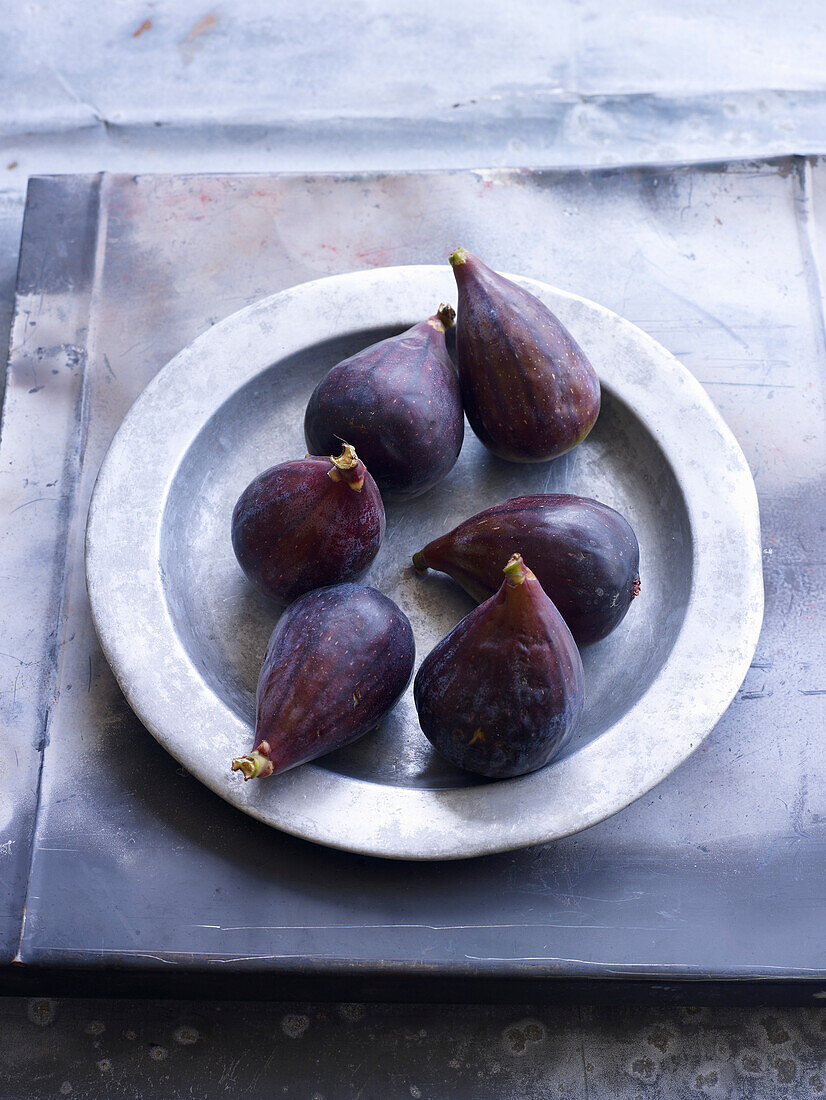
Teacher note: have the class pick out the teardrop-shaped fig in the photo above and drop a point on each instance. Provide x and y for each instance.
(584, 554)
(528, 389)
(336, 664)
(502, 693)
(308, 523)
(398, 403)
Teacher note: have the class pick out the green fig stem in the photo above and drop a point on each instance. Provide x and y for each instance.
(252, 765)
(515, 571)
(419, 562)
(443, 318)
(348, 467)
(458, 257)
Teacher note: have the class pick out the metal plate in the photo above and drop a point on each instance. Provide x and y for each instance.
(185, 634)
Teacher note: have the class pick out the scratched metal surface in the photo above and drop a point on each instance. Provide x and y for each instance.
(401, 85)
(718, 872)
(185, 86)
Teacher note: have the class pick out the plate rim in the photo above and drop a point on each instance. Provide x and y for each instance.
(466, 837)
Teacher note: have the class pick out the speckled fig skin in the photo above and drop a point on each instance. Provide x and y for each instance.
(502, 693)
(529, 392)
(308, 523)
(335, 665)
(584, 554)
(398, 402)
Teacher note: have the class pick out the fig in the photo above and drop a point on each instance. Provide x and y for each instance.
(335, 665)
(584, 554)
(502, 693)
(398, 403)
(529, 392)
(308, 523)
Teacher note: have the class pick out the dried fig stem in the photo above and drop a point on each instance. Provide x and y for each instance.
(348, 467)
(252, 765)
(443, 318)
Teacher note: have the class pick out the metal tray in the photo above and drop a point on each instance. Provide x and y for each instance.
(184, 632)
(123, 873)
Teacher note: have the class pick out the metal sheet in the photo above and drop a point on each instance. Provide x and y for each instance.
(716, 873)
(259, 87)
(570, 82)
(178, 1049)
(43, 440)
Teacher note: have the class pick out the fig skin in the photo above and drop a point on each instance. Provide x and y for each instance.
(502, 693)
(398, 402)
(528, 390)
(308, 523)
(584, 554)
(336, 664)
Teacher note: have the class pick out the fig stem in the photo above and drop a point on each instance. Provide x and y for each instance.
(419, 562)
(347, 467)
(252, 765)
(458, 257)
(347, 459)
(443, 318)
(515, 571)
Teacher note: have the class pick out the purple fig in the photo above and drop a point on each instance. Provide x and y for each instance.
(335, 665)
(528, 390)
(503, 692)
(584, 554)
(308, 523)
(398, 403)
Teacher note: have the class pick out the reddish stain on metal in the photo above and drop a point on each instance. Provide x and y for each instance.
(192, 43)
(374, 257)
(202, 26)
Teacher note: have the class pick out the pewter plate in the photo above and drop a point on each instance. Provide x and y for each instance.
(185, 633)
